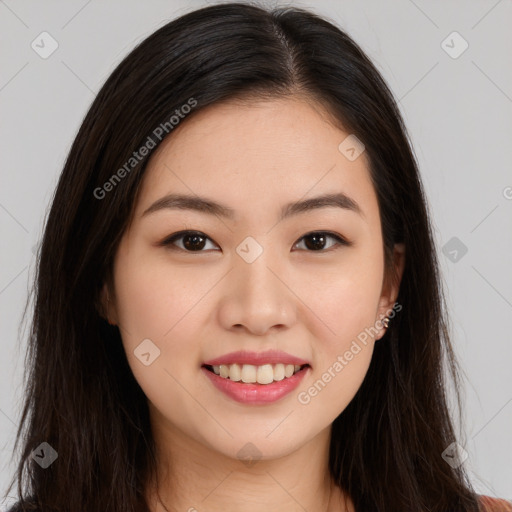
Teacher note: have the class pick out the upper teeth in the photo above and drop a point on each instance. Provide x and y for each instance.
(249, 373)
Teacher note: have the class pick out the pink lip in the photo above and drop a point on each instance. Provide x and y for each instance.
(256, 394)
(257, 358)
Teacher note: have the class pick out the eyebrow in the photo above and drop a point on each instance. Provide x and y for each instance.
(210, 207)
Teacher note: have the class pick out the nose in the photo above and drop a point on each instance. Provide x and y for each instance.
(257, 298)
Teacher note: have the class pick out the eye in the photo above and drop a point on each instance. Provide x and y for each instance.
(195, 241)
(317, 240)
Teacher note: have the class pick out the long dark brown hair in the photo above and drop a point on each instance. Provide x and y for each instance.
(80, 394)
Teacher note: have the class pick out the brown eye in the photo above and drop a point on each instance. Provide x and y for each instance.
(192, 241)
(316, 241)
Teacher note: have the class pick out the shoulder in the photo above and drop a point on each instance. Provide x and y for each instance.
(489, 504)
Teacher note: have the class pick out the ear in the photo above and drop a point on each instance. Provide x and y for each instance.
(391, 287)
(106, 306)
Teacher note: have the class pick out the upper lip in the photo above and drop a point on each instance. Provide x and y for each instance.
(256, 358)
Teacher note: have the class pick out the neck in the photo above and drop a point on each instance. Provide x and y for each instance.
(194, 477)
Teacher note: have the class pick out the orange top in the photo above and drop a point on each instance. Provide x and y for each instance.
(495, 504)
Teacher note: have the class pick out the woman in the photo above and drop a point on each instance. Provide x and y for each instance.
(238, 302)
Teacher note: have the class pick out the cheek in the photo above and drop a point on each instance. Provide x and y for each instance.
(153, 298)
(345, 307)
(334, 386)
(345, 349)
(344, 302)
(155, 303)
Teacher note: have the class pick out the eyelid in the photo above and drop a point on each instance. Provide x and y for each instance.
(168, 241)
(340, 240)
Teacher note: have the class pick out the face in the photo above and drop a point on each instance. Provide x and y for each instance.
(309, 284)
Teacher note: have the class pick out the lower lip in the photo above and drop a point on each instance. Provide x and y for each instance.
(256, 394)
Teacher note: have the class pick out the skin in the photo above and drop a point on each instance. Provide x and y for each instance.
(194, 306)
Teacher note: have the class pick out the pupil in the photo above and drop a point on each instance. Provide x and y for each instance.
(195, 242)
(315, 244)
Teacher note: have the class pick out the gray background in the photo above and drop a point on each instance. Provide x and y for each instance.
(458, 113)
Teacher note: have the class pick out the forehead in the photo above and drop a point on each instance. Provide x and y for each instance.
(257, 157)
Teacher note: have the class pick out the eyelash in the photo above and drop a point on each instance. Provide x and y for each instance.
(169, 241)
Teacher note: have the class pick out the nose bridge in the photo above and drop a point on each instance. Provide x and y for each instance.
(256, 266)
(258, 297)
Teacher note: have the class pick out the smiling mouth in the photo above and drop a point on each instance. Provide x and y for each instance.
(252, 374)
